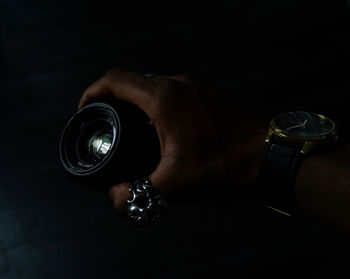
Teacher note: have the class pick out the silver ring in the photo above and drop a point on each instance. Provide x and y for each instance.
(146, 205)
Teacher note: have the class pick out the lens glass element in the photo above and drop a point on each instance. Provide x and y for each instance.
(99, 145)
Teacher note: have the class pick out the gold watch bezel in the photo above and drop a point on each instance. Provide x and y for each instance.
(306, 144)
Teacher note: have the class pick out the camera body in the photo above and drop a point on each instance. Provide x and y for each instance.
(109, 142)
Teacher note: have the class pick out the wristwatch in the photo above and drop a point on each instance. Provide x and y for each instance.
(291, 137)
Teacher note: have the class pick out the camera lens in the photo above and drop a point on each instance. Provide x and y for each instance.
(89, 139)
(108, 143)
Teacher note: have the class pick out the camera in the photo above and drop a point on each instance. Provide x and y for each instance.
(109, 142)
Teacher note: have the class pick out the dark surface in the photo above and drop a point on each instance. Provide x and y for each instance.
(50, 51)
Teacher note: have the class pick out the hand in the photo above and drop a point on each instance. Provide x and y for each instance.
(198, 148)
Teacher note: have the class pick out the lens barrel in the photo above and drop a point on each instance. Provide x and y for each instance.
(108, 142)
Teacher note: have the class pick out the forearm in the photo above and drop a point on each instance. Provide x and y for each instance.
(323, 188)
(322, 184)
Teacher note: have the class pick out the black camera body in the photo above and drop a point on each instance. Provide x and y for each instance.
(109, 142)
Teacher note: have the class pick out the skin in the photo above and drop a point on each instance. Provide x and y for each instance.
(200, 150)
(197, 147)
(323, 188)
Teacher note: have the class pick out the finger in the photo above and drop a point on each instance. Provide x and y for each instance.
(128, 86)
(160, 179)
(99, 89)
(183, 78)
(120, 195)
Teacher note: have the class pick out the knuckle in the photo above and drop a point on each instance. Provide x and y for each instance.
(168, 86)
(113, 73)
(172, 92)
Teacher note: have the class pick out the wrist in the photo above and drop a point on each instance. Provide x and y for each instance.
(243, 159)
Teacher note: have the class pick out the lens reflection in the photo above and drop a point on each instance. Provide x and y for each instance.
(99, 145)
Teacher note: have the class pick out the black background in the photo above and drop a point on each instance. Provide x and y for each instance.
(275, 53)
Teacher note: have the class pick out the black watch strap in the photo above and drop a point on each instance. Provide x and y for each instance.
(277, 176)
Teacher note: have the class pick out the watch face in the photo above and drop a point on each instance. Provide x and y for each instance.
(303, 124)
